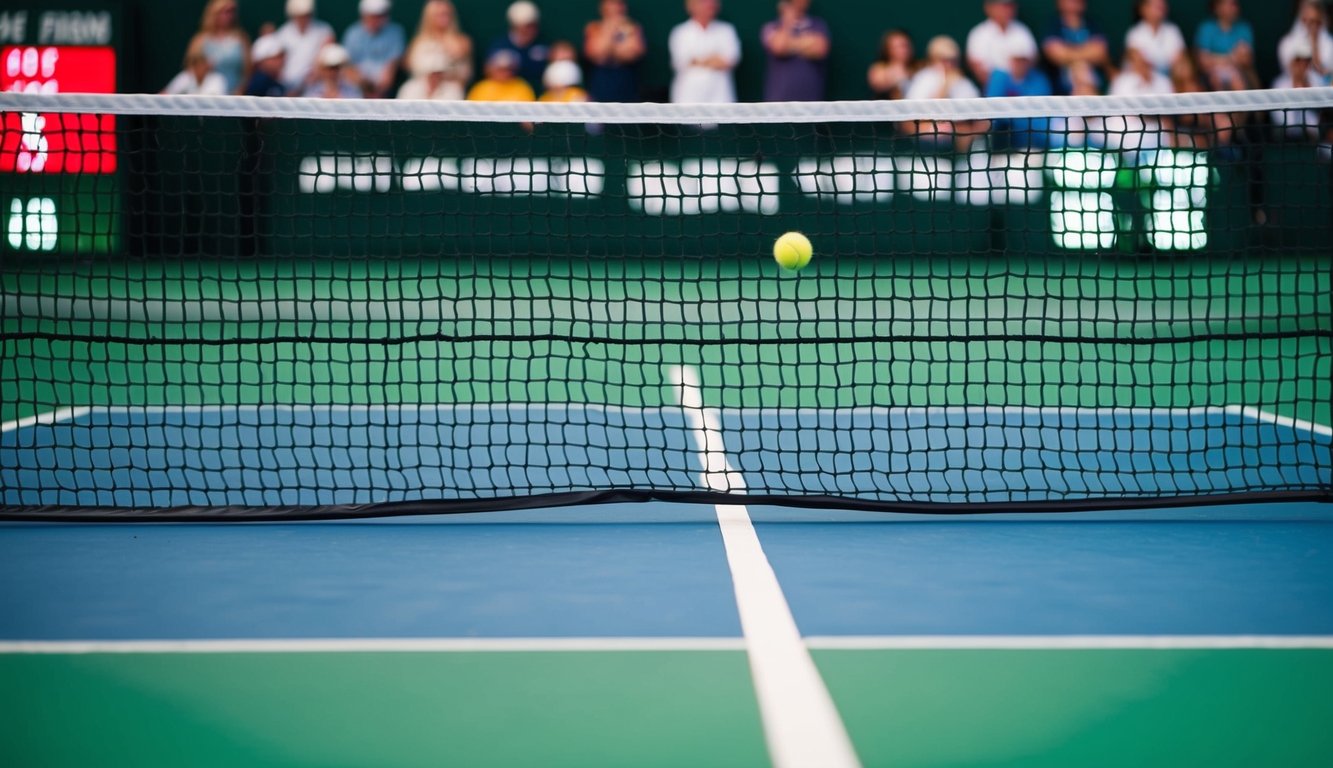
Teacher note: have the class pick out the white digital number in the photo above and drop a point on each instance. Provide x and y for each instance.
(33, 146)
(33, 224)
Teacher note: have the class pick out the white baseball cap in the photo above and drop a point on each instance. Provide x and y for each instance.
(1299, 48)
(373, 7)
(333, 55)
(523, 12)
(1021, 47)
(561, 74)
(266, 47)
(300, 7)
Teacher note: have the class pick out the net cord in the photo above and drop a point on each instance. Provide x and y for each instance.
(681, 114)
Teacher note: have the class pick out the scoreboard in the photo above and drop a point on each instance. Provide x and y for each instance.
(59, 189)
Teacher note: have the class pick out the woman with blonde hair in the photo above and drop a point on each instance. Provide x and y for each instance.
(440, 37)
(223, 43)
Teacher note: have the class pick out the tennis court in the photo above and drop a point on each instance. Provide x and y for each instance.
(999, 506)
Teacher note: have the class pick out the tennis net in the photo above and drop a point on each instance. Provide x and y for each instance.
(249, 308)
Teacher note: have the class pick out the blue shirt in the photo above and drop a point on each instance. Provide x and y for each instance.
(532, 58)
(372, 53)
(1211, 38)
(1057, 30)
(261, 84)
(1020, 132)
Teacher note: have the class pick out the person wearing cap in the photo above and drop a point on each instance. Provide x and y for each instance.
(501, 81)
(561, 82)
(197, 79)
(988, 44)
(302, 37)
(797, 45)
(614, 45)
(375, 45)
(524, 39)
(1155, 36)
(268, 59)
(434, 84)
(1021, 78)
(1309, 32)
(704, 52)
(330, 79)
(1298, 72)
(1076, 46)
(439, 36)
(942, 78)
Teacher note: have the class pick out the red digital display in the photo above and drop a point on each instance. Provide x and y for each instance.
(57, 143)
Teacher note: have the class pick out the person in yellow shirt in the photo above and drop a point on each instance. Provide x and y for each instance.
(561, 80)
(501, 82)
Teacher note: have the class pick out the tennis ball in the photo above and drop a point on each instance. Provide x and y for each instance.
(793, 251)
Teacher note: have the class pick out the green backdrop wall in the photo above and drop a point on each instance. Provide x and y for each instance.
(162, 28)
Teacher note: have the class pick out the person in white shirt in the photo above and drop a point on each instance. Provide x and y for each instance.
(989, 43)
(704, 52)
(302, 37)
(197, 78)
(1156, 37)
(1298, 124)
(434, 83)
(942, 78)
(1138, 77)
(1309, 32)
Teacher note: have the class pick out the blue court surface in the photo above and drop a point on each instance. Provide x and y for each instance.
(217, 456)
(662, 633)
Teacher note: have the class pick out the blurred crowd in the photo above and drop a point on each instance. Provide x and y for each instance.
(1001, 56)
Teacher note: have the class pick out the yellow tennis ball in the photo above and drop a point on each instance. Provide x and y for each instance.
(793, 250)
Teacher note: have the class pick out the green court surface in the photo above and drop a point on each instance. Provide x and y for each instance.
(663, 708)
(1104, 332)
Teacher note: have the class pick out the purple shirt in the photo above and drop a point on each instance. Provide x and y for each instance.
(795, 78)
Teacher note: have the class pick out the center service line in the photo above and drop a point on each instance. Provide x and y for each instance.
(801, 724)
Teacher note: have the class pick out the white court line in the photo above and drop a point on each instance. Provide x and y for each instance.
(801, 723)
(50, 417)
(1259, 414)
(1068, 642)
(379, 645)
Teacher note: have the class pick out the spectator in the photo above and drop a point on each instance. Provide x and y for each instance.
(1311, 26)
(1021, 78)
(268, 59)
(797, 45)
(1080, 131)
(302, 37)
(222, 41)
(1137, 77)
(614, 46)
(1225, 47)
(525, 40)
(891, 72)
(561, 82)
(561, 50)
(502, 82)
(434, 84)
(988, 42)
(1075, 46)
(331, 79)
(1155, 36)
(439, 36)
(198, 78)
(1298, 72)
(704, 52)
(1202, 130)
(375, 47)
(942, 78)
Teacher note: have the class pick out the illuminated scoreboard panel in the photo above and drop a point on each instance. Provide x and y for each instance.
(59, 189)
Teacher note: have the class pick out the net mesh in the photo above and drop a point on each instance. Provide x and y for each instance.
(271, 308)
